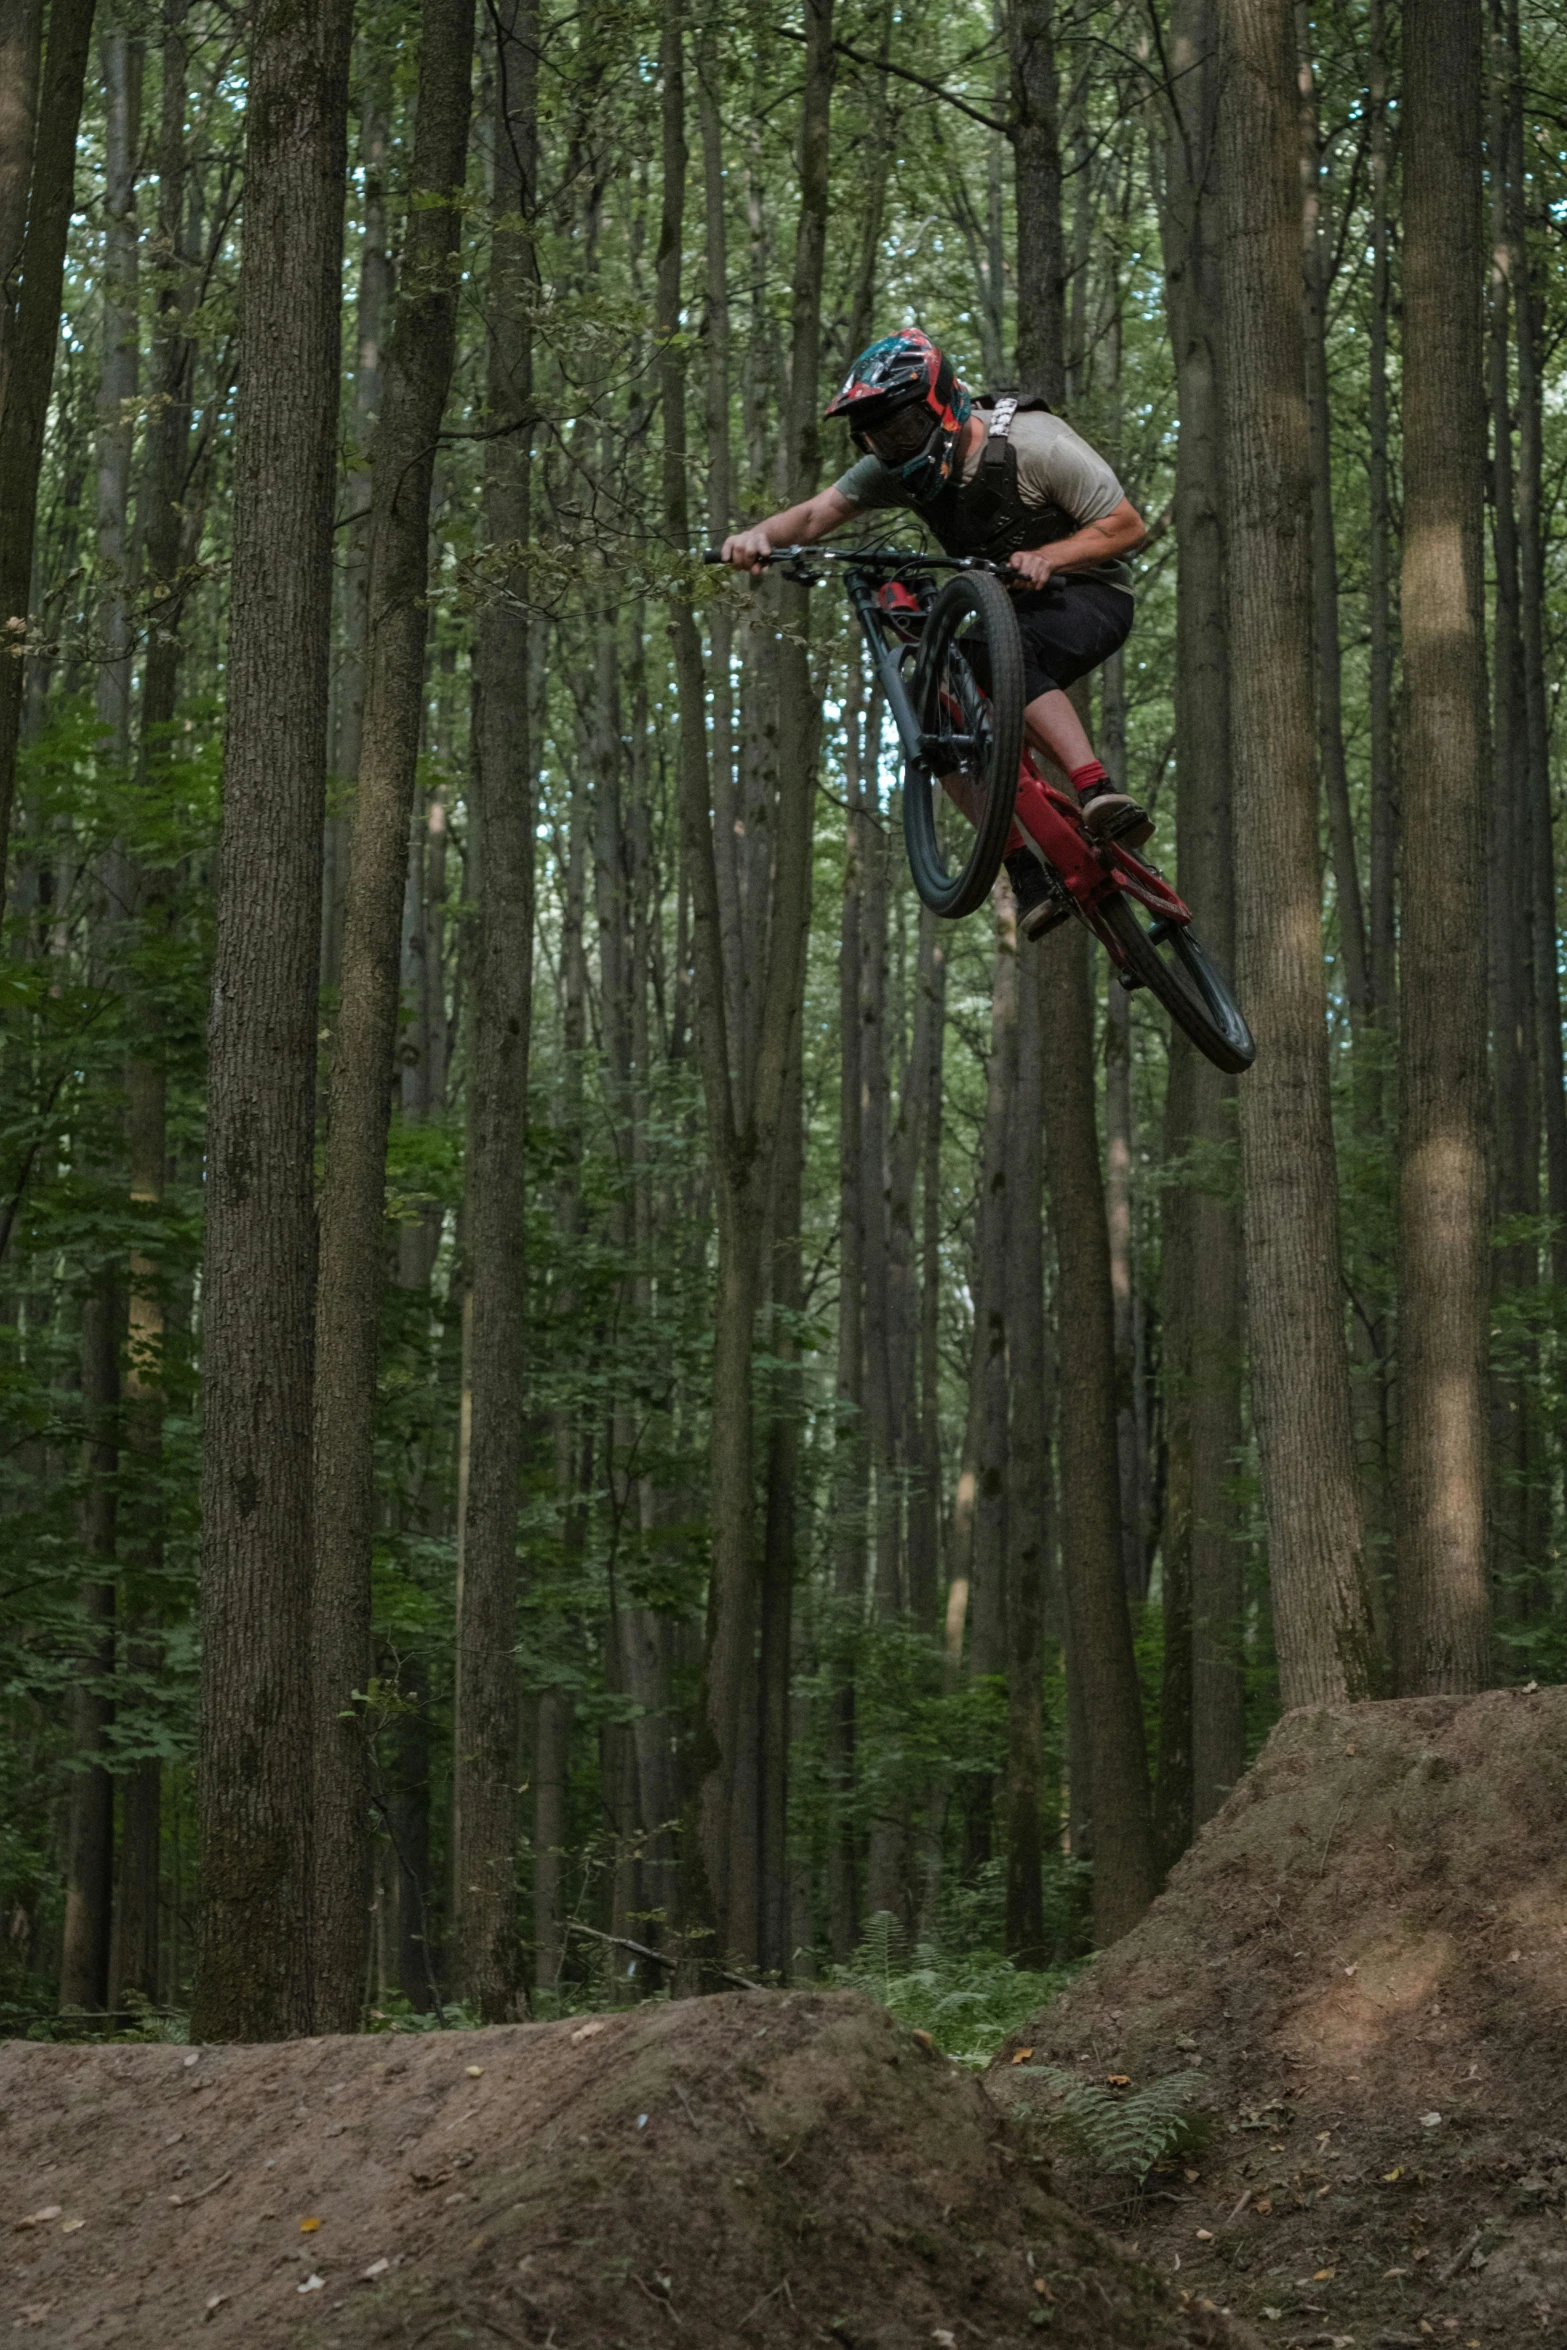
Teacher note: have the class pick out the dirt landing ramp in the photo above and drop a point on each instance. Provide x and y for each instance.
(1365, 1953)
(762, 2169)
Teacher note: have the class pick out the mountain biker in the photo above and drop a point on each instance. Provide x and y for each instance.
(1007, 479)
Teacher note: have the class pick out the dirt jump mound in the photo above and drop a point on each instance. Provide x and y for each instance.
(766, 2169)
(1364, 1957)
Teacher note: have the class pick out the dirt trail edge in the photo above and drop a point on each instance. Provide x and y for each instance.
(767, 2168)
(1365, 1953)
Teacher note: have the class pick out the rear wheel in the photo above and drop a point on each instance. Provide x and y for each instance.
(1173, 964)
(968, 693)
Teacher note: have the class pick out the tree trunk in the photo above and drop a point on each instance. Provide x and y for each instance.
(483, 1804)
(117, 384)
(89, 1882)
(551, 1827)
(1119, 1146)
(1028, 1499)
(162, 519)
(37, 182)
(780, 1541)
(917, 1157)
(744, 1089)
(849, 1495)
(1509, 888)
(1379, 682)
(1112, 1756)
(1202, 1746)
(1300, 1369)
(372, 312)
(21, 40)
(1444, 1627)
(1324, 544)
(1532, 623)
(1036, 155)
(353, 1190)
(253, 1968)
(993, 1312)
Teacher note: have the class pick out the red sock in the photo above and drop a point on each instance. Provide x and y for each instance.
(1084, 778)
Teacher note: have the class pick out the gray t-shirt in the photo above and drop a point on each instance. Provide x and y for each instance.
(1055, 466)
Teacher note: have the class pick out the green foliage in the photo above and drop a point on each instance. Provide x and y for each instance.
(968, 1999)
(397, 2014)
(1125, 2131)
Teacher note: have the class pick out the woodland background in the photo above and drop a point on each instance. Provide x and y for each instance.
(679, 1414)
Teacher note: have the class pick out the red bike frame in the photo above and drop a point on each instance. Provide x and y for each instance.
(1090, 872)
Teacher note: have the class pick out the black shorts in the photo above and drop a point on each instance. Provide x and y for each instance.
(1067, 629)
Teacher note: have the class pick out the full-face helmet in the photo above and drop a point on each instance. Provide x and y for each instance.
(904, 404)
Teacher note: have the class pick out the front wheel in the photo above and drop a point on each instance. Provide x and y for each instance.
(968, 696)
(1172, 963)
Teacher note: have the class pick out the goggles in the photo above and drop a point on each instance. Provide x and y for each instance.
(903, 435)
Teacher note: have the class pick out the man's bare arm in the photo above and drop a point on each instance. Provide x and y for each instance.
(797, 526)
(1120, 532)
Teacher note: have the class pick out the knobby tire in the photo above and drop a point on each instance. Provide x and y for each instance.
(972, 598)
(1190, 986)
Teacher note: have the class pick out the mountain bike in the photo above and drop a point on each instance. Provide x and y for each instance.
(950, 662)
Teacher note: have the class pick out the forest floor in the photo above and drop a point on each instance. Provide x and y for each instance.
(759, 2169)
(1365, 1957)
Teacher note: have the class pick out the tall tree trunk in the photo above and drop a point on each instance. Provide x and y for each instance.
(21, 41)
(483, 1805)
(253, 1966)
(162, 519)
(1324, 543)
(1119, 1147)
(780, 1540)
(372, 315)
(1036, 156)
(1509, 886)
(917, 1149)
(849, 1494)
(1028, 1499)
(37, 182)
(1202, 1745)
(117, 384)
(353, 1191)
(1300, 1368)
(1444, 1626)
(1541, 852)
(1379, 682)
(881, 1417)
(1112, 1758)
(89, 1887)
(744, 1090)
(993, 1312)
(1108, 1758)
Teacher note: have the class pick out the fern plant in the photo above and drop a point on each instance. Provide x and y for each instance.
(1125, 2132)
(968, 2000)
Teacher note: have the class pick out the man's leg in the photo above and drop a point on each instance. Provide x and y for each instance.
(1053, 726)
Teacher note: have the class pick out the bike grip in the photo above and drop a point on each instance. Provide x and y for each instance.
(712, 555)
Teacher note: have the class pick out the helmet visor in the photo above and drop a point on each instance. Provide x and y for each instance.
(901, 436)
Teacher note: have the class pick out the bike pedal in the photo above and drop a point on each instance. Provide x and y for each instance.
(1129, 981)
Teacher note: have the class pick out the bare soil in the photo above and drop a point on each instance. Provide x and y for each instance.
(758, 2169)
(1366, 1955)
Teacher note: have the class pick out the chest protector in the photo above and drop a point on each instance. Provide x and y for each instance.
(988, 514)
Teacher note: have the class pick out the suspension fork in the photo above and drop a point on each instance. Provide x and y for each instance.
(890, 671)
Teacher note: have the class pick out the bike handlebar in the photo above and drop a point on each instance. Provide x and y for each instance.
(874, 559)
